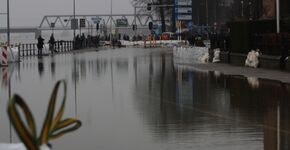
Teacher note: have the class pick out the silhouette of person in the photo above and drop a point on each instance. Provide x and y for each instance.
(40, 43)
(51, 43)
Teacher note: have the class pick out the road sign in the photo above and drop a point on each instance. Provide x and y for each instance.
(74, 24)
(184, 17)
(183, 10)
(52, 25)
(183, 2)
(82, 23)
(96, 19)
(122, 23)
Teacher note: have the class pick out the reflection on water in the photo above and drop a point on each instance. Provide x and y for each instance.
(40, 67)
(139, 99)
(253, 82)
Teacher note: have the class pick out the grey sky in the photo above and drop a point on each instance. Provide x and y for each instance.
(30, 12)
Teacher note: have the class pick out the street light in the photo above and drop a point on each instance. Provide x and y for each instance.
(250, 10)
(206, 7)
(278, 15)
(242, 2)
(74, 15)
(111, 20)
(8, 23)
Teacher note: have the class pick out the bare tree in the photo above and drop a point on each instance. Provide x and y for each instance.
(164, 13)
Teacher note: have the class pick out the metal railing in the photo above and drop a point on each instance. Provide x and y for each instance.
(31, 48)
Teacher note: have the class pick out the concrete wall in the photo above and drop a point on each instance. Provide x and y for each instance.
(265, 61)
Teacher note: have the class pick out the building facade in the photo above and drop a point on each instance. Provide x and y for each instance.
(211, 12)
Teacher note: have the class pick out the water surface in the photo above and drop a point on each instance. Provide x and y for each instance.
(138, 99)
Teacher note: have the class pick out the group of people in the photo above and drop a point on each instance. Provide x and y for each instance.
(83, 42)
(40, 44)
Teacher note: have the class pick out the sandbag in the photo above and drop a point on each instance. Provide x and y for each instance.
(216, 57)
(252, 59)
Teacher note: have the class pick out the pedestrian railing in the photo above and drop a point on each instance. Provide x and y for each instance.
(31, 49)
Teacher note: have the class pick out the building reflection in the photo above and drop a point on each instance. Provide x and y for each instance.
(185, 98)
(52, 67)
(40, 67)
(182, 101)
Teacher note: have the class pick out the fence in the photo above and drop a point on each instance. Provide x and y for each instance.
(31, 49)
(271, 43)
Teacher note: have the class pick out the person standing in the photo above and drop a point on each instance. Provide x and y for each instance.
(83, 41)
(51, 44)
(40, 43)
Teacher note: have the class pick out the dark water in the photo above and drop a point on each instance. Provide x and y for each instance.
(135, 99)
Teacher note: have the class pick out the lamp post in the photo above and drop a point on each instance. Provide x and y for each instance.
(111, 17)
(74, 15)
(215, 11)
(242, 3)
(8, 23)
(206, 7)
(250, 10)
(278, 15)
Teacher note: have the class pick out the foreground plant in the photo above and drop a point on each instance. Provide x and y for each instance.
(53, 127)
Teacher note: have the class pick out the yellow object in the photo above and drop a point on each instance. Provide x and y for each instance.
(53, 127)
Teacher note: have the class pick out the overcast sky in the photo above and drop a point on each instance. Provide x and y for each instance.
(30, 12)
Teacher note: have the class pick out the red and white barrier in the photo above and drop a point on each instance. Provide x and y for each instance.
(4, 60)
(5, 77)
(8, 55)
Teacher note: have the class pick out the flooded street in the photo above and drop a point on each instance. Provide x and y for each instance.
(138, 99)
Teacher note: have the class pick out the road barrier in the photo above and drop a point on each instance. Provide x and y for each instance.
(4, 61)
(31, 49)
(5, 76)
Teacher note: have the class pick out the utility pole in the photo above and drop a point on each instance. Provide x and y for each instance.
(242, 11)
(111, 17)
(8, 23)
(74, 13)
(215, 10)
(135, 24)
(206, 7)
(278, 15)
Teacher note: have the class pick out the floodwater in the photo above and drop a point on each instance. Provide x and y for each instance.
(138, 99)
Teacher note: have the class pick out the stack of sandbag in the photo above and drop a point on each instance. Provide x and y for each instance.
(253, 59)
(204, 58)
(189, 52)
(216, 56)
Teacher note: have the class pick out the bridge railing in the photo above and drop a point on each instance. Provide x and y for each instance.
(30, 49)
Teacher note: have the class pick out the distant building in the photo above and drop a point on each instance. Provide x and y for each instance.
(210, 12)
(221, 11)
